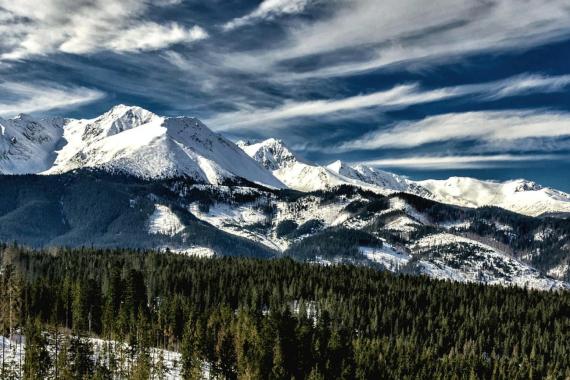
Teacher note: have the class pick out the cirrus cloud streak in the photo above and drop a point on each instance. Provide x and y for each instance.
(459, 162)
(490, 126)
(267, 10)
(42, 97)
(398, 97)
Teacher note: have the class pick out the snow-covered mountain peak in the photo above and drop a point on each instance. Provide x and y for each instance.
(126, 139)
(338, 166)
(136, 141)
(524, 185)
(24, 117)
(522, 196)
(117, 120)
(371, 176)
(272, 153)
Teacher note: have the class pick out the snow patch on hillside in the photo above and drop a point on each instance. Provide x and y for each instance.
(195, 251)
(14, 350)
(462, 259)
(387, 255)
(559, 271)
(236, 220)
(163, 221)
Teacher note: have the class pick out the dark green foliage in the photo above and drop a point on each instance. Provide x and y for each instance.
(355, 206)
(377, 205)
(333, 242)
(90, 208)
(280, 319)
(80, 357)
(285, 227)
(309, 227)
(37, 361)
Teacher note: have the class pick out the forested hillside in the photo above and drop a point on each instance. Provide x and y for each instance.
(271, 319)
(345, 223)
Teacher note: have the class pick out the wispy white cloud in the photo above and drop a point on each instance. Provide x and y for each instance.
(268, 10)
(486, 126)
(152, 36)
(39, 27)
(458, 162)
(396, 97)
(394, 32)
(41, 97)
(400, 96)
(525, 84)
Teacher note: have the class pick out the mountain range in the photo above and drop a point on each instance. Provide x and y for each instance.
(133, 178)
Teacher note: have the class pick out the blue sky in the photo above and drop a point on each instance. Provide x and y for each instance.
(428, 89)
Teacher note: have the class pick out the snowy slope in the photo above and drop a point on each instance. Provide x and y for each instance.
(129, 140)
(135, 141)
(27, 145)
(164, 221)
(435, 252)
(14, 351)
(521, 196)
(387, 181)
(524, 197)
(370, 175)
(457, 258)
(295, 172)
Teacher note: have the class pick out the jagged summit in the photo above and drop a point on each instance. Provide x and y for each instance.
(118, 119)
(126, 139)
(24, 117)
(272, 153)
(518, 195)
(132, 140)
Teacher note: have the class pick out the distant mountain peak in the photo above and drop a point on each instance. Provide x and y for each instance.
(126, 139)
(118, 119)
(24, 117)
(130, 139)
(525, 185)
(272, 153)
(337, 166)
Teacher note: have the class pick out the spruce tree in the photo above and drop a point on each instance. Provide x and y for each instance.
(36, 361)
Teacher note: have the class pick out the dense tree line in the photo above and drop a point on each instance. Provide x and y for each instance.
(335, 242)
(273, 319)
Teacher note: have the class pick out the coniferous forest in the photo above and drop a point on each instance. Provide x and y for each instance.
(241, 318)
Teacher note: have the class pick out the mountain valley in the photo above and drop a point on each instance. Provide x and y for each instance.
(130, 178)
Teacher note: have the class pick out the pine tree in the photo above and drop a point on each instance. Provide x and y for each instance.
(62, 361)
(278, 369)
(315, 375)
(79, 309)
(80, 356)
(191, 363)
(225, 351)
(160, 368)
(37, 361)
(142, 367)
